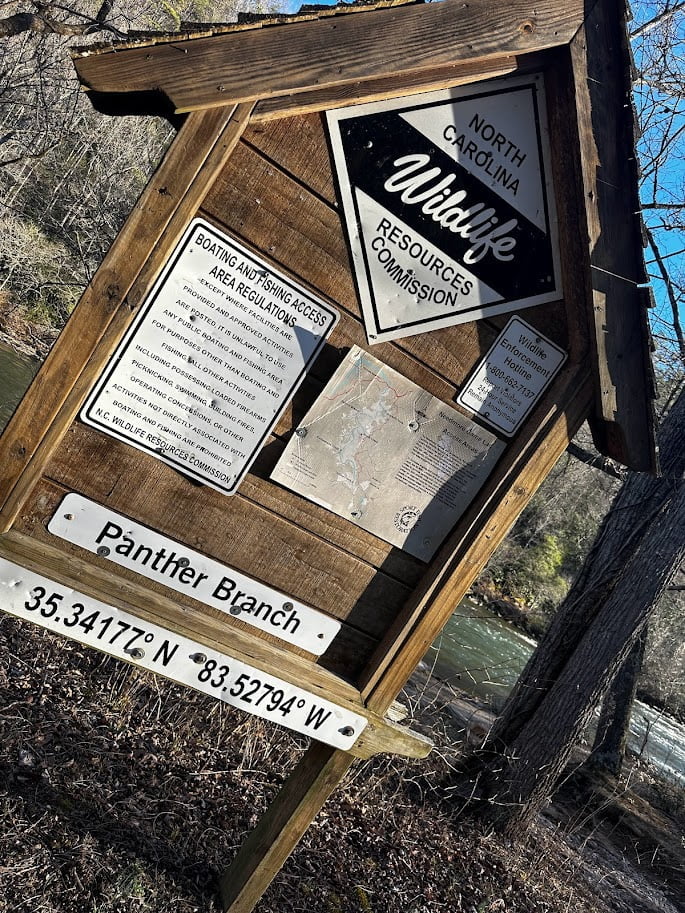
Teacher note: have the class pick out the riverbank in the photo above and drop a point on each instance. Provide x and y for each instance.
(123, 793)
(22, 334)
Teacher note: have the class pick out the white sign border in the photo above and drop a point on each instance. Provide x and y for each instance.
(361, 272)
(340, 728)
(187, 469)
(76, 517)
(471, 379)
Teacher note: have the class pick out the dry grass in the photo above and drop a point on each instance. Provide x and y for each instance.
(120, 793)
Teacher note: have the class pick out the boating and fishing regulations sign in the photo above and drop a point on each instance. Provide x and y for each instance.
(448, 205)
(219, 347)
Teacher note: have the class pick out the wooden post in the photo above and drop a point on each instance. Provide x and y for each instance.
(268, 846)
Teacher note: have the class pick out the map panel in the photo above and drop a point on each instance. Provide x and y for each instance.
(385, 454)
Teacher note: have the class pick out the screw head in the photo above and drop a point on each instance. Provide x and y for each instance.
(103, 551)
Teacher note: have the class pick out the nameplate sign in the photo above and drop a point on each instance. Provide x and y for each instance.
(209, 365)
(448, 205)
(113, 536)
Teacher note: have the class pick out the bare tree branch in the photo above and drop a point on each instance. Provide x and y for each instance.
(657, 20)
(673, 301)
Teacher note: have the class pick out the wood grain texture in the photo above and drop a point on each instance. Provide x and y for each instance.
(334, 51)
(379, 735)
(382, 88)
(266, 848)
(192, 163)
(623, 424)
(346, 656)
(233, 530)
(276, 213)
(480, 531)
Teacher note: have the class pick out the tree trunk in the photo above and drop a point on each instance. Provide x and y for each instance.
(613, 726)
(638, 550)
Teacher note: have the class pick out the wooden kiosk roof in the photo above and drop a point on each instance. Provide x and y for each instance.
(251, 158)
(325, 57)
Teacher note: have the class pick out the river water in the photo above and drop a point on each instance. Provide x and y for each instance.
(16, 373)
(480, 652)
(484, 655)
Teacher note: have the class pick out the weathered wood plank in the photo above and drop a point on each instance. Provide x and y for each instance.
(346, 656)
(334, 51)
(232, 530)
(297, 145)
(623, 425)
(382, 88)
(273, 212)
(263, 852)
(192, 163)
(379, 735)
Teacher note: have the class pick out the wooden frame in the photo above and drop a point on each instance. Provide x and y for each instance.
(244, 114)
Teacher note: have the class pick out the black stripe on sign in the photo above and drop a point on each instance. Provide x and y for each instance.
(373, 142)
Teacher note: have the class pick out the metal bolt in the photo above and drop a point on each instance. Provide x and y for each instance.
(346, 731)
(136, 653)
(199, 658)
(103, 551)
(183, 562)
(301, 432)
(235, 610)
(288, 606)
(413, 425)
(68, 516)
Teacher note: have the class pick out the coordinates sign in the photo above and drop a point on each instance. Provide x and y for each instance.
(512, 377)
(448, 205)
(219, 348)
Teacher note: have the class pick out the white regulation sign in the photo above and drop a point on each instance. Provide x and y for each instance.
(219, 347)
(448, 204)
(512, 377)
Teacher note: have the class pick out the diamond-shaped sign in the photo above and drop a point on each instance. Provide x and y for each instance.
(448, 205)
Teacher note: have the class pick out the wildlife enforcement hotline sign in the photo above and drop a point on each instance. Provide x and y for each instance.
(448, 205)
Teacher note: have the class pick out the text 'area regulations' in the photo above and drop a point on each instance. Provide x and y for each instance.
(220, 346)
(59, 608)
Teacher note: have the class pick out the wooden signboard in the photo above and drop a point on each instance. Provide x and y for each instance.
(345, 333)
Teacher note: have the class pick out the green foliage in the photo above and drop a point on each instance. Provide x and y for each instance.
(173, 14)
(536, 563)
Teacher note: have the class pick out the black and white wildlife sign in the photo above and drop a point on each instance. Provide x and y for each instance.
(448, 205)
